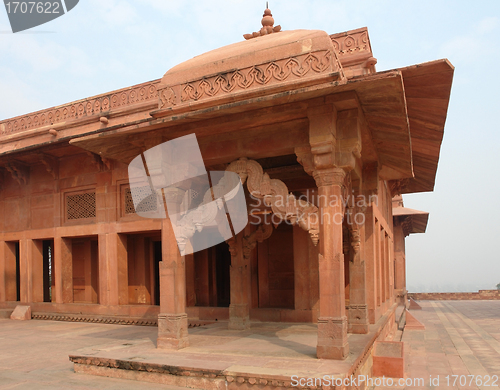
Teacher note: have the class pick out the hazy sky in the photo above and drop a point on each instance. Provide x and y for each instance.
(103, 45)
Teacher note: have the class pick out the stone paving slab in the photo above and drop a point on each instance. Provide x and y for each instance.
(460, 345)
(34, 354)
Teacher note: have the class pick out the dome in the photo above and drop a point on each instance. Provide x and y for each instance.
(260, 66)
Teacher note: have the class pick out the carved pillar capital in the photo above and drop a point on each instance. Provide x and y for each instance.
(330, 176)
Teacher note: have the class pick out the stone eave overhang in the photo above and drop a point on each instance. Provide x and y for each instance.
(389, 112)
(427, 90)
(415, 221)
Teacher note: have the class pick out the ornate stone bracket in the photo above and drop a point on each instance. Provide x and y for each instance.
(100, 162)
(357, 206)
(262, 233)
(275, 195)
(18, 171)
(51, 164)
(397, 187)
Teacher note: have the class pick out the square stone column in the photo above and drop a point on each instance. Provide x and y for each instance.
(63, 270)
(332, 321)
(172, 320)
(239, 307)
(358, 308)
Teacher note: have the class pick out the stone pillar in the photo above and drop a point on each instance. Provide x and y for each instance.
(63, 270)
(25, 271)
(332, 321)
(370, 262)
(172, 320)
(3, 271)
(239, 308)
(358, 308)
(35, 251)
(399, 258)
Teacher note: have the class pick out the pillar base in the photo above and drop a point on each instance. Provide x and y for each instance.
(239, 317)
(358, 319)
(172, 331)
(332, 338)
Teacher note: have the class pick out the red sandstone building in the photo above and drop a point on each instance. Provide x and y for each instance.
(298, 115)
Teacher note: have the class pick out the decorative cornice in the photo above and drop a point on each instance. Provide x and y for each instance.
(97, 107)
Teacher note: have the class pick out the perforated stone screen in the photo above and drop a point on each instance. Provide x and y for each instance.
(80, 206)
(148, 204)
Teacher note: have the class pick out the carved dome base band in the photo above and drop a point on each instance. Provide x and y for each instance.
(293, 68)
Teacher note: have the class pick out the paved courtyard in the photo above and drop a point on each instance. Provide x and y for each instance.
(461, 341)
(462, 338)
(34, 354)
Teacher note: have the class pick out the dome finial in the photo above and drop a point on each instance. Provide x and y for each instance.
(267, 25)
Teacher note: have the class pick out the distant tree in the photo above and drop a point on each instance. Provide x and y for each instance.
(498, 286)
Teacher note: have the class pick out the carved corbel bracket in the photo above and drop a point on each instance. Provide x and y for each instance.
(96, 160)
(100, 162)
(51, 164)
(275, 195)
(397, 187)
(348, 138)
(263, 232)
(305, 158)
(18, 171)
(107, 163)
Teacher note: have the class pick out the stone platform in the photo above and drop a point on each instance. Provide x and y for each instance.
(266, 356)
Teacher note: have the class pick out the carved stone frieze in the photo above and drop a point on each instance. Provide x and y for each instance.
(357, 42)
(95, 106)
(276, 71)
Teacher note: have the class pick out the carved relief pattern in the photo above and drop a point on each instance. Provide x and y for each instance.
(352, 44)
(243, 79)
(96, 106)
(167, 98)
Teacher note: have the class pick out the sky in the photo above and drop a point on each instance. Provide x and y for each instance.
(102, 45)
